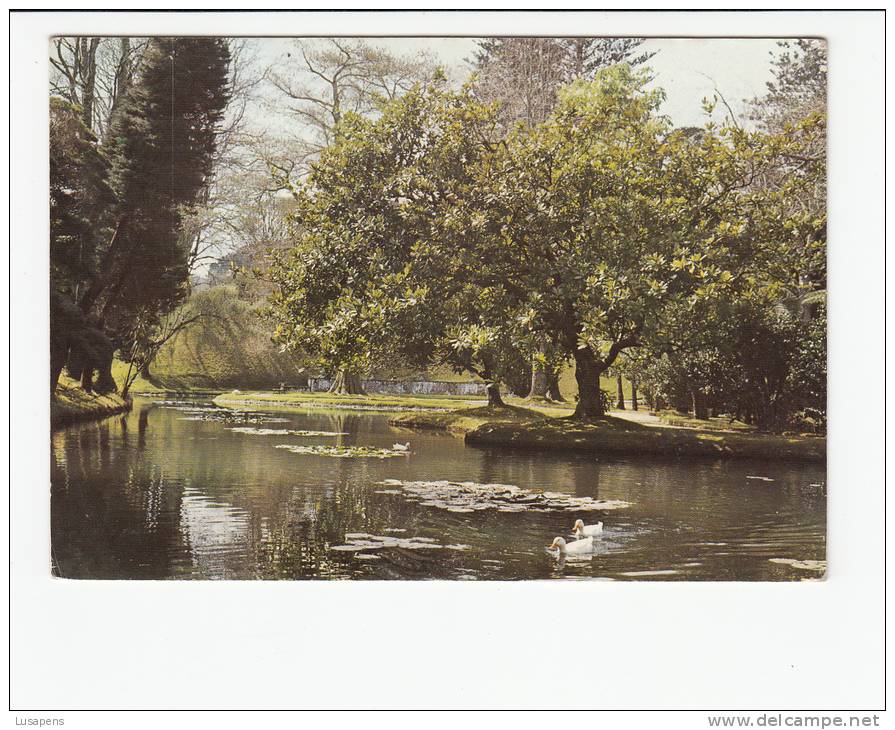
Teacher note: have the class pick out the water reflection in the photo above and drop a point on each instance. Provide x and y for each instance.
(194, 499)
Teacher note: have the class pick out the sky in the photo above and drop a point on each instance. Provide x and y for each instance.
(688, 69)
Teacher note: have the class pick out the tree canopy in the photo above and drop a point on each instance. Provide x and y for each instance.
(426, 234)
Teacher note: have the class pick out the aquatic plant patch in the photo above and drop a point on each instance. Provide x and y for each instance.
(818, 565)
(343, 452)
(222, 415)
(361, 542)
(472, 497)
(283, 432)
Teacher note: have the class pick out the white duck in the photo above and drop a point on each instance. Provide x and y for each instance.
(401, 447)
(577, 547)
(582, 530)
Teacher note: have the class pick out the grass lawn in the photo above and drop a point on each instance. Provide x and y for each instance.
(71, 404)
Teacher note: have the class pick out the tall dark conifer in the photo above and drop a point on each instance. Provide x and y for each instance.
(586, 56)
(80, 205)
(161, 143)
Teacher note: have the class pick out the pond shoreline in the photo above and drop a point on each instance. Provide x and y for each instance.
(614, 436)
(71, 404)
(655, 441)
(547, 428)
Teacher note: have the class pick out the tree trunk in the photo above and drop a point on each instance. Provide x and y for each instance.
(538, 381)
(99, 282)
(129, 379)
(494, 398)
(122, 77)
(87, 378)
(553, 391)
(89, 95)
(805, 310)
(633, 395)
(346, 383)
(699, 406)
(587, 375)
(620, 392)
(57, 362)
(55, 372)
(105, 382)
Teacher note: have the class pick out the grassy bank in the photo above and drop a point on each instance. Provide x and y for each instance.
(526, 429)
(70, 404)
(616, 436)
(466, 420)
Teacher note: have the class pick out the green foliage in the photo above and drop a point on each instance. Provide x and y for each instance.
(757, 363)
(377, 272)
(80, 198)
(799, 87)
(807, 377)
(228, 346)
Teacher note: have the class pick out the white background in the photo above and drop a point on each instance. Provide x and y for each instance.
(724, 646)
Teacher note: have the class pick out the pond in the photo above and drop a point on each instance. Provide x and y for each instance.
(185, 490)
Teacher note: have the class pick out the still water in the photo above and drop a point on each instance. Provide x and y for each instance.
(185, 490)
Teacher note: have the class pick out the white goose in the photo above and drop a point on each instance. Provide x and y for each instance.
(577, 547)
(401, 447)
(582, 530)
